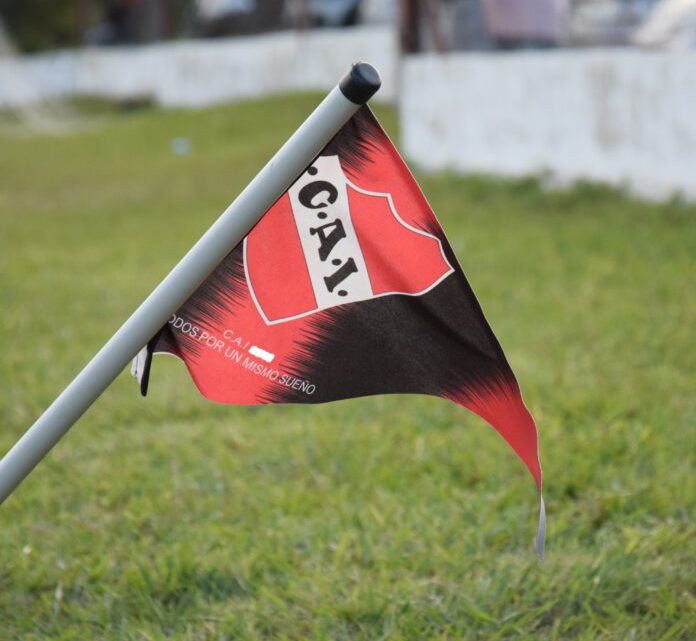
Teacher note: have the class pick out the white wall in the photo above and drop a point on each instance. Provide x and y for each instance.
(624, 117)
(619, 116)
(199, 73)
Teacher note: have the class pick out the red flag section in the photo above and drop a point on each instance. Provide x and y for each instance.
(347, 287)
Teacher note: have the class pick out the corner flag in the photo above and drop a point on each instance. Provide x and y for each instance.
(336, 284)
(347, 287)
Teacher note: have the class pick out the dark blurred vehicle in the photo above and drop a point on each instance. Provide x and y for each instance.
(334, 13)
(126, 22)
(323, 13)
(232, 17)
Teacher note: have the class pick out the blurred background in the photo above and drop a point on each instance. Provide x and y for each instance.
(569, 88)
(442, 25)
(555, 140)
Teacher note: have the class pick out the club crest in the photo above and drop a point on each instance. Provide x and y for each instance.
(346, 245)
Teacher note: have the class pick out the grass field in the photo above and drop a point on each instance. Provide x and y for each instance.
(385, 518)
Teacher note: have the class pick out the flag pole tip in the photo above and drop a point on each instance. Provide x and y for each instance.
(360, 83)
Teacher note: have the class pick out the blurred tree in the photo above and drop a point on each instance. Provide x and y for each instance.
(41, 24)
(409, 26)
(35, 25)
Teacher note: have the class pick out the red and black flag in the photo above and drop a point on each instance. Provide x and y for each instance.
(347, 287)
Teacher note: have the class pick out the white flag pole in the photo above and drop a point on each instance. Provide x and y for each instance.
(355, 89)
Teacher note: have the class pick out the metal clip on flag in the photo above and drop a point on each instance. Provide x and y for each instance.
(328, 278)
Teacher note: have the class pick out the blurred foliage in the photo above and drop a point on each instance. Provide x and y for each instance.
(38, 25)
(41, 24)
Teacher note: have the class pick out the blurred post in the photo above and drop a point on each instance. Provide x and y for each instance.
(409, 26)
(81, 21)
(414, 15)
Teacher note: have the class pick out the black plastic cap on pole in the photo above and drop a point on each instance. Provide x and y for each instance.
(360, 83)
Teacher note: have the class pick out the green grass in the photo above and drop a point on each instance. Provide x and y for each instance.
(384, 518)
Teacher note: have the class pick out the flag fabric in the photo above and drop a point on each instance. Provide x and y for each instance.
(347, 287)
